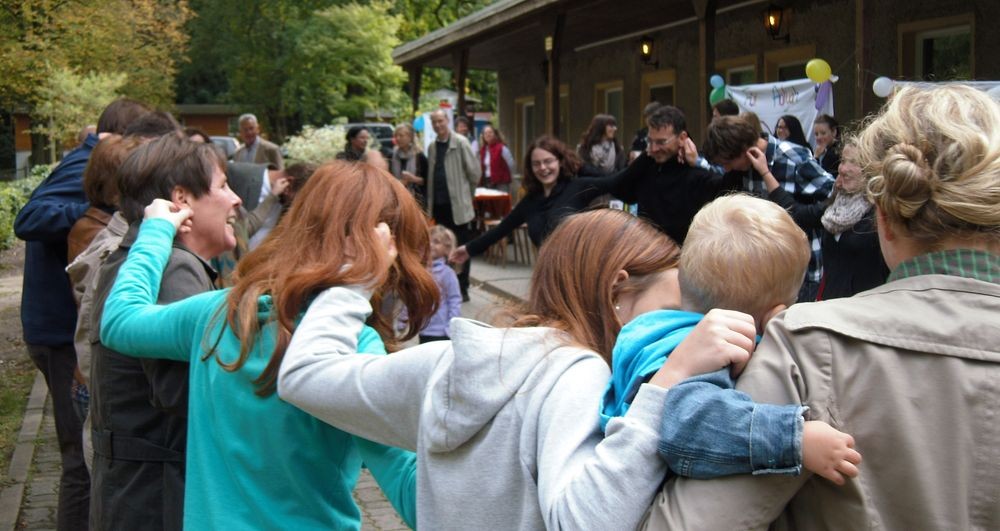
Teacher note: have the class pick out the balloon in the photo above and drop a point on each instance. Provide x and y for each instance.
(418, 123)
(818, 70)
(823, 93)
(718, 94)
(882, 87)
(716, 81)
(994, 92)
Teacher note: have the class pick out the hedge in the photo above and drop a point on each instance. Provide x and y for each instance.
(13, 196)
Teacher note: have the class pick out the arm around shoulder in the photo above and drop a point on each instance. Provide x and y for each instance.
(375, 397)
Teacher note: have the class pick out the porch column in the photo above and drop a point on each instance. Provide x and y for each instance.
(415, 73)
(863, 95)
(705, 9)
(461, 70)
(553, 46)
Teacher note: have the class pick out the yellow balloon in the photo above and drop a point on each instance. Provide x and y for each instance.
(818, 70)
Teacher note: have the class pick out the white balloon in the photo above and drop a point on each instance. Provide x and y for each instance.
(882, 87)
(995, 92)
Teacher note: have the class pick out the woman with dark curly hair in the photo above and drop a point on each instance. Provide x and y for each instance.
(553, 191)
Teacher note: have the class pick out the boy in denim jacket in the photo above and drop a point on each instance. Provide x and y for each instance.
(744, 254)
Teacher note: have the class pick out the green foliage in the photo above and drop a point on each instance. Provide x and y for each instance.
(69, 101)
(13, 196)
(343, 64)
(141, 37)
(309, 62)
(16, 377)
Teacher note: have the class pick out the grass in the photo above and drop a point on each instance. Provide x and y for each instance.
(16, 378)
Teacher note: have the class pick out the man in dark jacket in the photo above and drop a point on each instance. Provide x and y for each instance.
(668, 188)
(48, 312)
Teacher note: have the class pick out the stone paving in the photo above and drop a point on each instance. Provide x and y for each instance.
(38, 505)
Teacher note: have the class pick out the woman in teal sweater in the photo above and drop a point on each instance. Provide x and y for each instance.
(254, 461)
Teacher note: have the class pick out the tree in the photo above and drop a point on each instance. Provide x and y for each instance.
(70, 100)
(141, 37)
(343, 64)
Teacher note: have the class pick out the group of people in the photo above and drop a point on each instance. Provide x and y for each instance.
(659, 364)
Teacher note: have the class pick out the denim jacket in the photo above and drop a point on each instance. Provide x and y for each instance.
(709, 429)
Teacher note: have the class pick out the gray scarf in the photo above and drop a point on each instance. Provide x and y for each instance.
(399, 159)
(845, 212)
(602, 154)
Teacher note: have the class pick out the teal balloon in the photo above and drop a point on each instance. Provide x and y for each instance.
(718, 94)
(716, 81)
(418, 124)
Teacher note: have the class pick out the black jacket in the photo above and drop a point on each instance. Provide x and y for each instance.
(853, 262)
(138, 411)
(670, 194)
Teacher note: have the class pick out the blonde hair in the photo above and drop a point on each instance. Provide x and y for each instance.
(444, 235)
(742, 253)
(933, 160)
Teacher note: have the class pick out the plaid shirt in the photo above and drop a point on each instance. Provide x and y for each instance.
(968, 263)
(799, 174)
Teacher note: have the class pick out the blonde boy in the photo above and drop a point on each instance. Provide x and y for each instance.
(744, 254)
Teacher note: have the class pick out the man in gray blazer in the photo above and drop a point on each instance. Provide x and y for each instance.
(255, 149)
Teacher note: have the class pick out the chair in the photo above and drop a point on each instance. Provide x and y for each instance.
(496, 253)
(524, 250)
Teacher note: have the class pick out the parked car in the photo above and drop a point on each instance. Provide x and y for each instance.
(381, 132)
(228, 144)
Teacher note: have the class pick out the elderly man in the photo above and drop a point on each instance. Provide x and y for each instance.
(255, 149)
(451, 186)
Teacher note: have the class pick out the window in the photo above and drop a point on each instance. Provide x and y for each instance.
(524, 125)
(746, 75)
(937, 49)
(610, 101)
(656, 86)
(787, 63)
(738, 70)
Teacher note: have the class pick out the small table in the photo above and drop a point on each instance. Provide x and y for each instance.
(490, 204)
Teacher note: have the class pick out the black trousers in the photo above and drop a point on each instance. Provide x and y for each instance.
(57, 364)
(463, 232)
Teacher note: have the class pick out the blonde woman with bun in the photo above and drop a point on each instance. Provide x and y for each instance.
(910, 368)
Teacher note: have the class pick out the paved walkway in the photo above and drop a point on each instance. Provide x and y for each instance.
(39, 485)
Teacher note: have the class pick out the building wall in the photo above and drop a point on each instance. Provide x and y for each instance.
(825, 26)
(212, 124)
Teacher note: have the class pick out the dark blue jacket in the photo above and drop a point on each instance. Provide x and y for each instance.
(48, 312)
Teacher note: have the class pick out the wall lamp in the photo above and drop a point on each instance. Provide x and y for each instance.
(646, 51)
(774, 19)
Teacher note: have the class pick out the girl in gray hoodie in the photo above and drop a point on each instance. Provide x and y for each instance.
(504, 420)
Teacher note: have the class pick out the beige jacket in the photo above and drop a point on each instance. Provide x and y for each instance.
(267, 153)
(912, 370)
(462, 169)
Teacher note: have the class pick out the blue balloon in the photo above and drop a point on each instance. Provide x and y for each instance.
(418, 123)
(716, 81)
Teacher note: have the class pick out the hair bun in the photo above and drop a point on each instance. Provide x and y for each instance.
(909, 180)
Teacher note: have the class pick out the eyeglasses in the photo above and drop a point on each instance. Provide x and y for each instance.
(546, 162)
(661, 142)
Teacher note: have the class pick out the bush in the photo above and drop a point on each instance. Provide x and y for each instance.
(13, 196)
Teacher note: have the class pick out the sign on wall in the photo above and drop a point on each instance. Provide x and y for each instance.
(770, 101)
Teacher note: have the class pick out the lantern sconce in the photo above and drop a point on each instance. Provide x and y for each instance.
(646, 50)
(776, 19)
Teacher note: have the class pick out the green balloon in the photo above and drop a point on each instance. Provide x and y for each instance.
(718, 94)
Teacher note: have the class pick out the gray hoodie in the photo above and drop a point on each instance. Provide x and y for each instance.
(504, 420)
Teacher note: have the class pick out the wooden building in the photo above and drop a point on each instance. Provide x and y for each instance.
(589, 52)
